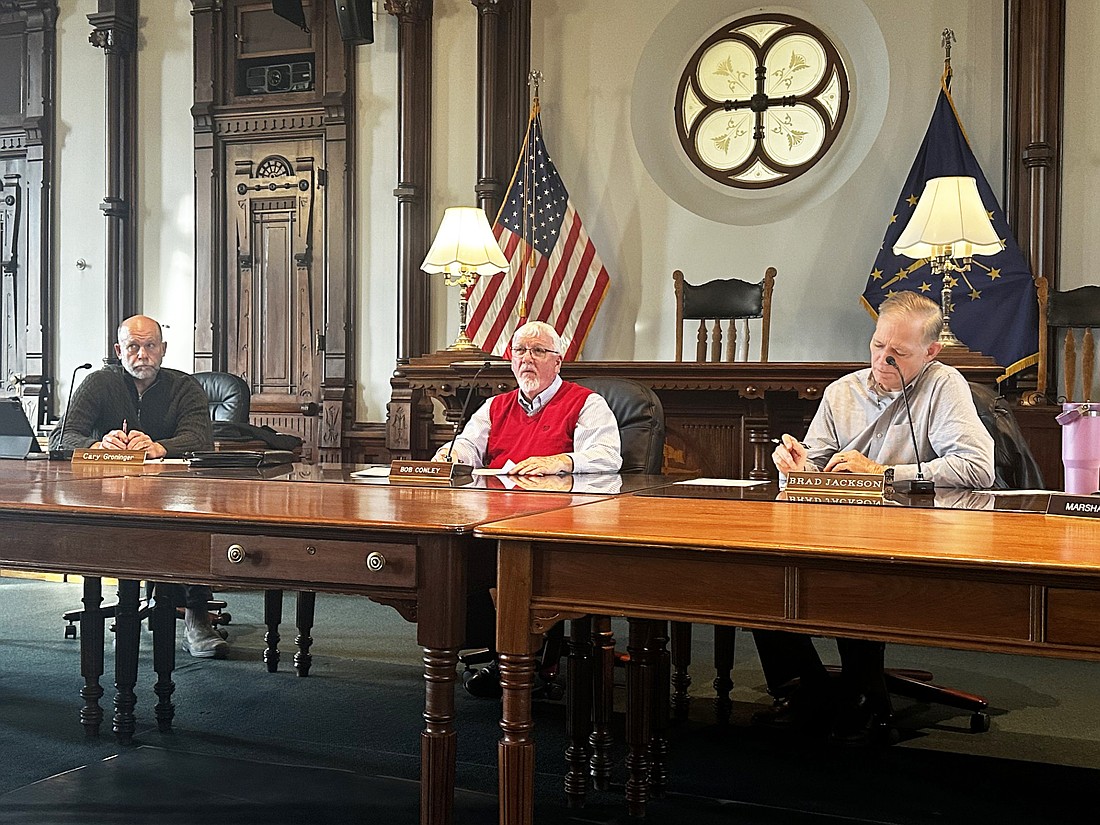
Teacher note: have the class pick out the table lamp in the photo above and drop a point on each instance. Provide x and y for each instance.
(949, 226)
(464, 248)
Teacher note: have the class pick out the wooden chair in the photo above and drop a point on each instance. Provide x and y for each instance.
(724, 307)
(1066, 311)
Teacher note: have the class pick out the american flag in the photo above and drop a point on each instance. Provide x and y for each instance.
(554, 273)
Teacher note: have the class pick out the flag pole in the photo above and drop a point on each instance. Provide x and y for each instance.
(534, 81)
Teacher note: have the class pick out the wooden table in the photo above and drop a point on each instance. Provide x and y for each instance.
(410, 548)
(981, 580)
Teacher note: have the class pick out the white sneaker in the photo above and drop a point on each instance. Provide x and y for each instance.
(203, 642)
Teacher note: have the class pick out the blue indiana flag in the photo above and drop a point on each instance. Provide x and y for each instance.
(994, 306)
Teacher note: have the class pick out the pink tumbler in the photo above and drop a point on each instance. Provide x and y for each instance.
(1081, 447)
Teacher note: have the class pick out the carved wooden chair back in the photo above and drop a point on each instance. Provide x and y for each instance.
(723, 309)
(1061, 314)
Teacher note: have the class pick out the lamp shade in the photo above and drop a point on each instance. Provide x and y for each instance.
(950, 221)
(464, 243)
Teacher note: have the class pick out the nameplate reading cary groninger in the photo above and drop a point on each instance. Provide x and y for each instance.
(1067, 505)
(104, 458)
(428, 471)
(836, 488)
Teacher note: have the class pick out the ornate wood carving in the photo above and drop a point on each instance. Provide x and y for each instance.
(28, 35)
(406, 608)
(274, 287)
(114, 29)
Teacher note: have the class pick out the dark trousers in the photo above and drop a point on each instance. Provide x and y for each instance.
(785, 656)
(194, 596)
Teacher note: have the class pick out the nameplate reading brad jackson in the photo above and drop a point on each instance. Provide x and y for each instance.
(1069, 505)
(864, 484)
(104, 457)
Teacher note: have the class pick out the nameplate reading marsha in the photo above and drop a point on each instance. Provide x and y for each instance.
(848, 484)
(105, 457)
(1065, 505)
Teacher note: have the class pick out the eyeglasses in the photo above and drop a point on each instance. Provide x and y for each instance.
(537, 353)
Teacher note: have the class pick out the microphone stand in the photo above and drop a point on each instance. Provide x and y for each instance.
(919, 485)
(465, 408)
(62, 454)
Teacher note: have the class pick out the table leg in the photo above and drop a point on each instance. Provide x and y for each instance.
(603, 701)
(91, 655)
(578, 710)
(127, 629)
(273, 617)
(724, 639)
(681, 661)
(658, 695)
(163, 619)
(304, 613)
(639, 680)
(516, 751)
(438, 742)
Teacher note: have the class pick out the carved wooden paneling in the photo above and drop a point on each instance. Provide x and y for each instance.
(28, 41)
(274, 221)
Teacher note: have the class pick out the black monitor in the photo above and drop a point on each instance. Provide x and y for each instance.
(16, 434)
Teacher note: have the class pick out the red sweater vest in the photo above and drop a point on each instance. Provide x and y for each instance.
(515, 435)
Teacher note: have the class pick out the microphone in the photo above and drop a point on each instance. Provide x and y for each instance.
(62, 454)
(919, 485)
(465, 407)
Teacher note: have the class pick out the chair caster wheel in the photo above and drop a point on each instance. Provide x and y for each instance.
(979, 722)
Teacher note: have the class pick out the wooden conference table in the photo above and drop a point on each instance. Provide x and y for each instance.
(408, 547)
(1010, 582)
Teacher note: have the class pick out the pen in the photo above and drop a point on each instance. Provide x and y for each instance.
(124, 427)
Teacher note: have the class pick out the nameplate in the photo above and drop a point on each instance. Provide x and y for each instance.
(428, 471)
(1066, 505)
(836, 484)
(105, 457)
(831, 498)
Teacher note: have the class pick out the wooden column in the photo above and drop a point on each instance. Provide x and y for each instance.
(1036, 62)
(414, 81)
(114, 29)
(503, 60)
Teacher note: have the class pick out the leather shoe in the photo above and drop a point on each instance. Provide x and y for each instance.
(802, 710)
(863, 721)
(484, 683)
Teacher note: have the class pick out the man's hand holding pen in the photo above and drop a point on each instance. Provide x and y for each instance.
(127, 439)
(789, 455)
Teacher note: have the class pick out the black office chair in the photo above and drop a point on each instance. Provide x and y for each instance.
(229, 396)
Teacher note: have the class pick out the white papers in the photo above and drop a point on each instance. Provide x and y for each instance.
(503, 471)
(373, 471)
(723, 482)
(1018, 492)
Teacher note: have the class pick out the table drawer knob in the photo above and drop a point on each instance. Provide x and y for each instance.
(236, 554)
(375, 561)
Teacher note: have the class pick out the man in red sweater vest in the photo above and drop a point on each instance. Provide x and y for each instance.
(547, 426)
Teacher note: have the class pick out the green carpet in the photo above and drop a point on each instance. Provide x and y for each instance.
(355, 724)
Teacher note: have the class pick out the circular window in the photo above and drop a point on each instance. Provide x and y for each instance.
(761, 101)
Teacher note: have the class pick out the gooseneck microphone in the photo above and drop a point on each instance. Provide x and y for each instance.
(61, 453)
(465, 406)
(919, 485)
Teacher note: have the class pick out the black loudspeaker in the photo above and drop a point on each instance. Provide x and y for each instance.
(356, 19)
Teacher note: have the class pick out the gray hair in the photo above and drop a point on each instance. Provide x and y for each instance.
(914, 305)
(535, 329)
